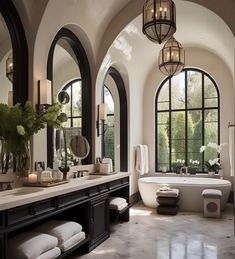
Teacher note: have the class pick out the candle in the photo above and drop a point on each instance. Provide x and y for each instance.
(32, 178)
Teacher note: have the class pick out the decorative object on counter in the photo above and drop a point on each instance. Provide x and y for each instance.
(108, 161)
(64, 168)
(32, 178)
(5, 157)
(104, 168)
(213, 165)
(19, 123)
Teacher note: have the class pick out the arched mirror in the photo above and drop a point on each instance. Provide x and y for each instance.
(69, 71)
(13, 64)
(13, 56)
(114, 137)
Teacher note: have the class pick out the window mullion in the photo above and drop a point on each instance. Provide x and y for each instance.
(203, 119)
(186, 117)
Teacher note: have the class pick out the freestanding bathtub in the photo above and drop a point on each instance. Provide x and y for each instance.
(190, 190)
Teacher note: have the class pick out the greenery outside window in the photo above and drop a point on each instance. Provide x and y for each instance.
(109, 128)
(73, 108)
(187, 116)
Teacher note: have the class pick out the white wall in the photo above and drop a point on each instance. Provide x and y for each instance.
(207, 61)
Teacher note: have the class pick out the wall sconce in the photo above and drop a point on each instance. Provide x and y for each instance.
(10, 98)
(44, 94)
(102, 117)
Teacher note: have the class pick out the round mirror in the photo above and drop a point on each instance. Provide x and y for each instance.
(63, 97)
(79, 147)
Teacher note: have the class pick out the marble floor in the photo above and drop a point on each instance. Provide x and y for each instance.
(184, 236)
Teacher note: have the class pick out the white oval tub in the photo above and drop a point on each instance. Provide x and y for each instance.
(190, 190)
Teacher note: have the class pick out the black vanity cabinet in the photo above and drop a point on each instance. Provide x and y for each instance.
(99, 224)
(88, 206)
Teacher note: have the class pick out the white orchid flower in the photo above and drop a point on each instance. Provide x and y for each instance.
(202, 149)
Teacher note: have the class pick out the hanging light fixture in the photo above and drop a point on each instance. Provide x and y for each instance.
(171, 58)
(9, 67)
(159, 20)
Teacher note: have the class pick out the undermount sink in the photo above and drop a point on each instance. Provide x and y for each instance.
(21, 191)
(90, 177)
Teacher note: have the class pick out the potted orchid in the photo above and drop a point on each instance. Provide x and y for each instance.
(193, 166)
(212, 165)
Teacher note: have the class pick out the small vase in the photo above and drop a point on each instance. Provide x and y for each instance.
(23, 160)
(211, 173)
(5, 157)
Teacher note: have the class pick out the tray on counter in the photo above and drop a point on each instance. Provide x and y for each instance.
(46, 184)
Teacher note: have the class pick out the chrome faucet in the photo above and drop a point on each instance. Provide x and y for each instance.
(8, 187)
(184, 170)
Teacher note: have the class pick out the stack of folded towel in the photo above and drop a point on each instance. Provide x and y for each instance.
(68, 233)
(32, 245)
(167, 199)
(117, 203)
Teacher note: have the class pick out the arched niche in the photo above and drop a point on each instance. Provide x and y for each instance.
(81, 59)
(123, 117)
(20, 51)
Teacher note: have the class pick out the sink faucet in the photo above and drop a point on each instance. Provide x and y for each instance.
(184, 170)
(8, 183)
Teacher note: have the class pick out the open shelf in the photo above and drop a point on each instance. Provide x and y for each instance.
(66, 253)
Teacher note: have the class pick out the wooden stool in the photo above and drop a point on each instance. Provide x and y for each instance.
(212, 202)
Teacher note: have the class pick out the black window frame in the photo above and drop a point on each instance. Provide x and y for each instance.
(186, 109)
(70, 84)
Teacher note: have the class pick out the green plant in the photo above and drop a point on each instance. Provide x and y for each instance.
(19, 122)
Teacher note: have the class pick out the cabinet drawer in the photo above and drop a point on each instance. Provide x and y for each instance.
(125, 180)
(94, 191)
(18, 214)
(71, 198)
(22, 213)
(43, 206)
(115, 184)
(103, 188)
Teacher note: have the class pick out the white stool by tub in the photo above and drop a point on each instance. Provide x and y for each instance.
(212, 202)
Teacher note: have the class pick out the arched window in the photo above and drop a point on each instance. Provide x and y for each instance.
(187, 117)
(109, 128)
(73, 108)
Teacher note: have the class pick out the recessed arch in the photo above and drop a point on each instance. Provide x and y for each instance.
(84, 68)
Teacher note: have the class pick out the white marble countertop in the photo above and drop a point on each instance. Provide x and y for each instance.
(24, 195)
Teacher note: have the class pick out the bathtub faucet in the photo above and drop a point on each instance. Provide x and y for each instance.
(184, 170)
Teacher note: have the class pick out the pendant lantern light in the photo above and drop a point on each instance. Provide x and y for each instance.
(159, 20)
(171, 58)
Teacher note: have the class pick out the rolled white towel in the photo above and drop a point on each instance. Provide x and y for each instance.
(62, 230)
(116, 201)
(74, 240)
(118, 207)
(51, 254)
(30, 245)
